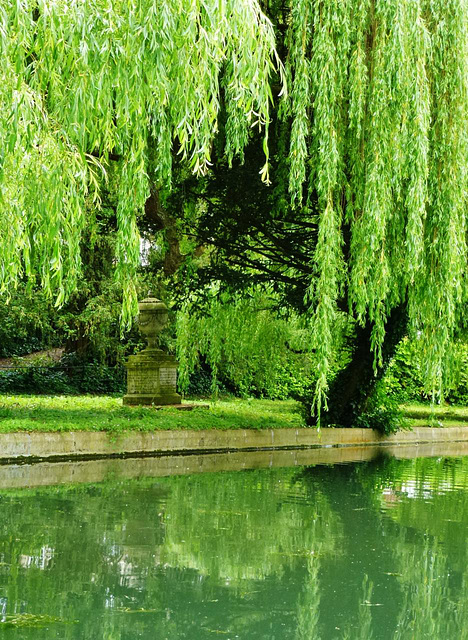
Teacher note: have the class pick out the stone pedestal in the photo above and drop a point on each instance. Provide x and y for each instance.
(152, 374)
(152, 379)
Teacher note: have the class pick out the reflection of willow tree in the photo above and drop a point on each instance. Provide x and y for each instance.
(363, 629)
(228, 529)
(433, 506)
(431, 608)
(364, 551)
(411, 554)
(65, 553)
(431, 496)
(308, 604)
(335, 553)
(251, 531)
(116, 548)
(428, 499)
(461, 613)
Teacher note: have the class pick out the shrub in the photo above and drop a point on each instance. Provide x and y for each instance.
(404, 379)
(67, 376)
(383, 414)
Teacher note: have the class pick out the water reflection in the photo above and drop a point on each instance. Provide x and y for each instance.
(356, 551)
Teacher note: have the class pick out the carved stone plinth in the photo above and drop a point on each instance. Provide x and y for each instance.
(152, 374)
(152, 379)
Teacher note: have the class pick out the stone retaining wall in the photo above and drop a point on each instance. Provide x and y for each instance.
(21, 446)
(39, 474)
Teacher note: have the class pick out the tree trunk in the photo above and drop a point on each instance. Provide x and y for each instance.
(157, 216)
(354, 385)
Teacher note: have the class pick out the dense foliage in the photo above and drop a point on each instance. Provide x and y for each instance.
(405, 381)
(370, 146)
(86, 83)
(245, 347)
(379, 109)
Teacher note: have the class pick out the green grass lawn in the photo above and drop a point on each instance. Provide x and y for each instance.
(424, 415)
(106, 413)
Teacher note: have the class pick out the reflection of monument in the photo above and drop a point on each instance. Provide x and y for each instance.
(152, 374)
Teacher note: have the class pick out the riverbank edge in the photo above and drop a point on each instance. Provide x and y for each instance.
(84, 445)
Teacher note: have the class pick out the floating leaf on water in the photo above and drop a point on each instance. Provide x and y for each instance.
(128, 610)
(31, 620)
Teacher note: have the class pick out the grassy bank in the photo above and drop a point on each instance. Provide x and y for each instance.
(106, 413)
(423, 415)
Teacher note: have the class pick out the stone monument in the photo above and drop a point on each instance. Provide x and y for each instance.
(152, 374)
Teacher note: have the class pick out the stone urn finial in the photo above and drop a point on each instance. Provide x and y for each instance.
(152, 374)
(152, 319)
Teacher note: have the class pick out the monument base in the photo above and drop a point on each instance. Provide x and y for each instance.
(186, 406)
(152, 379)
(134, 399)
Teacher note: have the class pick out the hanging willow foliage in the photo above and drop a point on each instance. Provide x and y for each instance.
(86, 81)
(242, 340)
(379, 140)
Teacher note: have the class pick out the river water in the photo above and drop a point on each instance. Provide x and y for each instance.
(359, 551)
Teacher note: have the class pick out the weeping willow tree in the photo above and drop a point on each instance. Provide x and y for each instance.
(368, 214)
(378, 112)
(86, 83)
(376, 119)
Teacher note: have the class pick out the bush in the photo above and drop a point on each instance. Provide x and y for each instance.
(404, 379)
(98, 378)
(48, 380)
(383, 414)
(200, 382)
(26, 324)
(66, 377)
(458, 394)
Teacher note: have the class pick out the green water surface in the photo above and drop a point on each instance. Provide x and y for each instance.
(354, 551)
